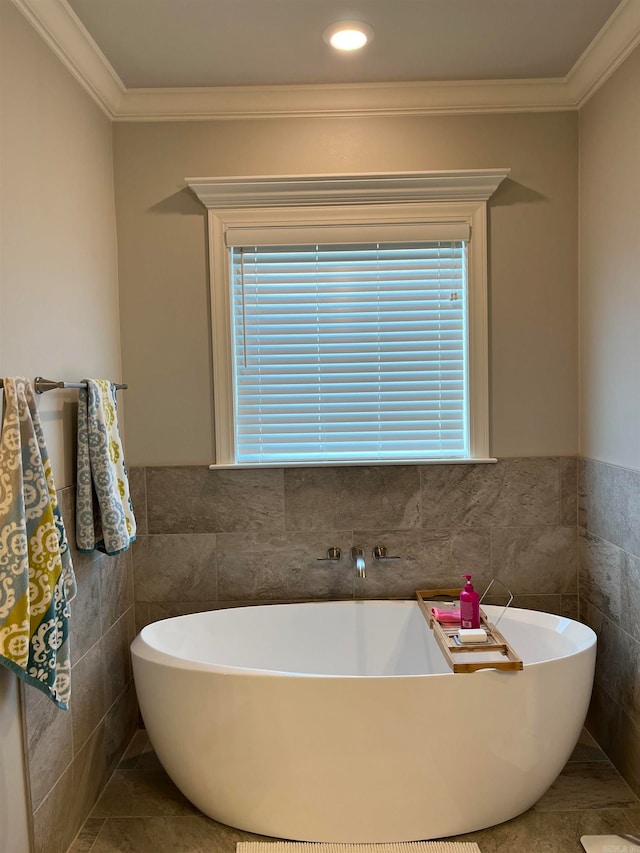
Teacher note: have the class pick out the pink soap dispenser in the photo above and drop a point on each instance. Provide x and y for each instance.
(469, 606)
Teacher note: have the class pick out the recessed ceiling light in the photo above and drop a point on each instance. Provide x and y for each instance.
(348, 35)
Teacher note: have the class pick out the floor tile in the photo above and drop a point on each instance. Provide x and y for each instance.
(138, 747)
(633, 814)
(549, 832)
(141, 793)
(85, 839)
(194, 834)
(587, 749)
(149, 761)
(587, 785)
(141, 810)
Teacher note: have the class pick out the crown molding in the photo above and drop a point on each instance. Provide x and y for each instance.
(62, 30)
(613, 44)
(374, 187)
(344, 100)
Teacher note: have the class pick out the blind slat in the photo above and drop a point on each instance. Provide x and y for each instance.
(348, 351)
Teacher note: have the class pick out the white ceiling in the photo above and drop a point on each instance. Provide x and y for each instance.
(213, 43)
(159, 60)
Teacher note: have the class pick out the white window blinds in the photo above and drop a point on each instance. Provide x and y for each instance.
(350, 352)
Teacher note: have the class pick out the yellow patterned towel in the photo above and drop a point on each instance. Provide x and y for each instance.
(36, 574)
(104, 514)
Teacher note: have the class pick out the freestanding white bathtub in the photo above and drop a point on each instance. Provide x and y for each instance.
(340, 721)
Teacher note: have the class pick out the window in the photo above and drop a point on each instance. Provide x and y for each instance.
(349, 352)
(348, 332)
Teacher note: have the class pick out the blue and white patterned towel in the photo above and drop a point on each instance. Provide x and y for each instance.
(104, 514)
(36, 574)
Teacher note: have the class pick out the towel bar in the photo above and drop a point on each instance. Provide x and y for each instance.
(41, 385)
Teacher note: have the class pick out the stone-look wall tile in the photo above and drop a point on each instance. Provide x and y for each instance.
(117, 657)
(568, 491)
(542, 603)
(89, 776)
(116, 587)
(601, 568)
(310, 498)
(197, 500)
(583, 498)
(141, 615)
(610, 502)
(535, 559)
(175, 567)
(385, 496)
(570, 607)
(67, 750)
(87, 704)
(629, 667)
(604, 719)
(49, 747)
(154, 611)
(511, 492)
(429, 559)
(120, 725)
(591, 616)
(138, 493)
(85, 624)
(625, 750)
(168, 609)
(609, 507)
(31, 697)
(559, 605)
(53, 820)
(609, 654)
(630, 596)
(283, 566)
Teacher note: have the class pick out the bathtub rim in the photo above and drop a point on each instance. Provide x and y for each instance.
(145, 650)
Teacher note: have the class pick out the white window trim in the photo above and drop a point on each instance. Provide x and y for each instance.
(393, 198)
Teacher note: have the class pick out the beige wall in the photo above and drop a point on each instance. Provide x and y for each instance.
(610, 270)
(58, 260)
(58, 285)
(163, 260)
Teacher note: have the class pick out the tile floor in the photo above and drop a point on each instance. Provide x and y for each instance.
(142, 811)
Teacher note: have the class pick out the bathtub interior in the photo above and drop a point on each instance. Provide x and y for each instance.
(342, 639)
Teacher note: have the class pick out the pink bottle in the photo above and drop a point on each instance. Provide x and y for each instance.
(469, 606)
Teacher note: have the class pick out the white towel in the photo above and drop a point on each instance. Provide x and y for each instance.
(104, 514)
(36, 574)
(393, 847)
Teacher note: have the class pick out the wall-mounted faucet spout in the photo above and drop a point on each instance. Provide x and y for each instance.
(357, 555)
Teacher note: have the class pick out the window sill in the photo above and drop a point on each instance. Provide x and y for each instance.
(351, 464)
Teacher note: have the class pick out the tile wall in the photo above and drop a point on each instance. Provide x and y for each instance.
(221, 538)
(72, 754)
(549, 527)
(609, 545)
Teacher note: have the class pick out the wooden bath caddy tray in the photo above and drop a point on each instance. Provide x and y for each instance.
(501, 655)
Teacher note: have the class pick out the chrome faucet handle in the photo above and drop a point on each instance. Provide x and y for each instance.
(380, 553)
(333, 555)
